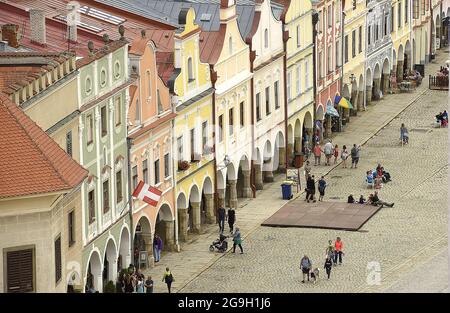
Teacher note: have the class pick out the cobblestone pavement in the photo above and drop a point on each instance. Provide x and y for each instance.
(392, 237)
(402, 240)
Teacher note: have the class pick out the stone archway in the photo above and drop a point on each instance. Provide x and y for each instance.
(194, 211)
(124, 249)
(243, 188)
(386, 71)
(208, 200)
(362, 88)
(408, 57)
(369, 83)
(319, 124)
(400, 64)
(354, 97)
(267, 163)
(94, 272)
(231, 191)
(165, 227)
(297, 137)
(143, 239)
(257, 167)
(437, 36)
(110, 263)
(280, 153)
(414, 53)
(183, 223)
(290, 144)
(376, 83)
(426, 47)
(307, 131)
(345, 113)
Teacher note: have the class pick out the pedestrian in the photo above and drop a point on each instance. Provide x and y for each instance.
(338, 247)
(149, 285)
(307, 170)
(375, 200)
(129, 288)
(355, 155)
(336, 153)
(404, 136)
(168, 278)
(322, 186)
(344, 156)
(328, 150)
(311, 187)
(362, 200)
(120, 284)
(231, 218)
(317, 153)
(329, 252)
(237, 241)
(140, 285)
(328, 265)
(221, 216)
(305, 266)
(157, 247)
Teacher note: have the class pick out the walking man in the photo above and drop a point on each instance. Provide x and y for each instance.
(307, 170)
(329, 252)
(231, 218)
(311, 186)
(328, 265)
(237, 241)
(317, 153)
(221, 216)
(328, 150)
(355, 155)
(149, 285)
(157, 247)
(168, 278)
(305, 266)
(338, 246)
(322, 186)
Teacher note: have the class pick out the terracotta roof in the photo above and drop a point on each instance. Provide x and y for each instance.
(30, 161)
(211, 44)
(101, 52)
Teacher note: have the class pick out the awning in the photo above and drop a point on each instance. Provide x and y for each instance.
(332, 111)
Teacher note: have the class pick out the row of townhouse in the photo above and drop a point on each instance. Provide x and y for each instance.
(205, 100)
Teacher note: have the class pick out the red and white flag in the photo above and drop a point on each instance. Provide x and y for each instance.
(148, 194)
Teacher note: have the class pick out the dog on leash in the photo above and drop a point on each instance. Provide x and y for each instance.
(315, 275)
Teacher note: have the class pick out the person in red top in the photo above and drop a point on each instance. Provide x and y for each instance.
(338, 247)
(317, 153)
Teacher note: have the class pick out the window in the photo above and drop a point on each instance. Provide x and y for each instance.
(399, 16)
(289, 84)
(119, 194)
(71, 228)
(157, 180)
(298, 36)
(306, 75)
(145, 171)
(346, 49)
(90, 129)
(406, 11)
(330, 59)
(104, 121)
(231, 121)
(91, 204)
(69, 142)
(58, 261)
(415, 9)
(191, 77)
(266, 38)
(221, 128)
(353, 43)
(160, 107)
(180, 148)
(166, 165)
(117, 69)
(320, 65)
(267, 100)
(192, 141)
(298, 73)
(137, 116)
(423, 7)
(20, 267)
(118, 110)
(330, 16)
(276, 94)
(103, 78)
(241, 114)
(385, 33)
(88, 85)
(135, 176)
(204, 136)
(149, 84)
(338, 53)
(360, 39)
(369, 35)
(377, 32)
(258, 106)
(105, 196)
(230, 45)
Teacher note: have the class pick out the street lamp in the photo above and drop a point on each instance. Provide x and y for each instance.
(352, 78)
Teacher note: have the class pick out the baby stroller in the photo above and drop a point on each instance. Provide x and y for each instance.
(220, 244)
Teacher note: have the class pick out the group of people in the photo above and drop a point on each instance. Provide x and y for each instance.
(442, 119)
(413, 75)
(222, 216)
(378, 177)
(443, 71)
(333, 257)
(331, 151)
(311, 187)
(373, 199)
(133, 281)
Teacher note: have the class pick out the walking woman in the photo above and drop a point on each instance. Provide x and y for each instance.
(322, 185)
(231, 218)
(168, 278)
(317, 153)
(328, 265)
(404, 136)
(336, 153)
(344, 156)
(237, 241)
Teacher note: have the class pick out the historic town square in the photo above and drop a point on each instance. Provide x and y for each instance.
(224, 146)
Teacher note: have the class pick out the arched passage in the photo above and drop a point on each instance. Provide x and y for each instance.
(297, 137)
(208, 201)
(400, 64)
(307, 131)
(385, 76)
(243, 188)
(110, 263)
(165, 227)
(124, 249)
(376, 82)
(361, 88)
(268, 162)
(369, 83)
(194, 210)
(257, 168)
(354, 95)
(437, 37)
(182, 208)
(143, 240)
(408, 57)
(279, 156)
(231, 191)
(94, 279)
(290, 145)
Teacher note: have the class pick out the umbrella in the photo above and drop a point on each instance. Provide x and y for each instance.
(342, 102)
(332, 111)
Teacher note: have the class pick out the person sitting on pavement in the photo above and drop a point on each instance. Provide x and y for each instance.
(375, 200)
(361, 200)
(350, 199)
(369, 177)
(377, 180)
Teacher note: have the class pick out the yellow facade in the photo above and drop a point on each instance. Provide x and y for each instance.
(401, 35)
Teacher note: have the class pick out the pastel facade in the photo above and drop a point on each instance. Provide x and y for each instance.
(421, 31)
(401, 37)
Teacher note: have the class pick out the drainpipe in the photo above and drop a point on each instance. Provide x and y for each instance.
(130, 201)
(341, 80)
(286, 111)
(213, 75)
(315, 20)
(252, 103)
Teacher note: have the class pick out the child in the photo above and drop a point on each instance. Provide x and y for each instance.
(336, 153)
(315, 275)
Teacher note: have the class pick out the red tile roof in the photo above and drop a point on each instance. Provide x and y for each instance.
(30, 161)
(211, 44)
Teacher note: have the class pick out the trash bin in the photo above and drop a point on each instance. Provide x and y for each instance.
(286, 190)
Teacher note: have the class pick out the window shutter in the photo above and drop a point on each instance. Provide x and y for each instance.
(58, 266)
(19, 266)
(69, 143)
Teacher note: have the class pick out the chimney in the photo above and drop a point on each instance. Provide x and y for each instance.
(227, 10)
(37, 23)
(10, 34)
(72, 21)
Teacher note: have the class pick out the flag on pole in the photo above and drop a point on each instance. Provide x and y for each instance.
(342, 102)
(148, 194)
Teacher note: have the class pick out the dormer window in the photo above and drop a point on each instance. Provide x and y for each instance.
(191, 77)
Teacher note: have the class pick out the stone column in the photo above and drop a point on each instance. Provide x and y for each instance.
(282, 160)
(233, 194)
(298, 144)
(268, 174)
(385, 86)
(149, 249)
(360, 100)
(196, 217)
(328, 128)
(377, 83)
(355, 103)
(368, 95)
(170, 235)
(246, 189)
(97, 279)
(258, 177)
(400, 71)
(182, 223)
(209, 204)
(112, 270)
(290, 150)
(221, 198)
